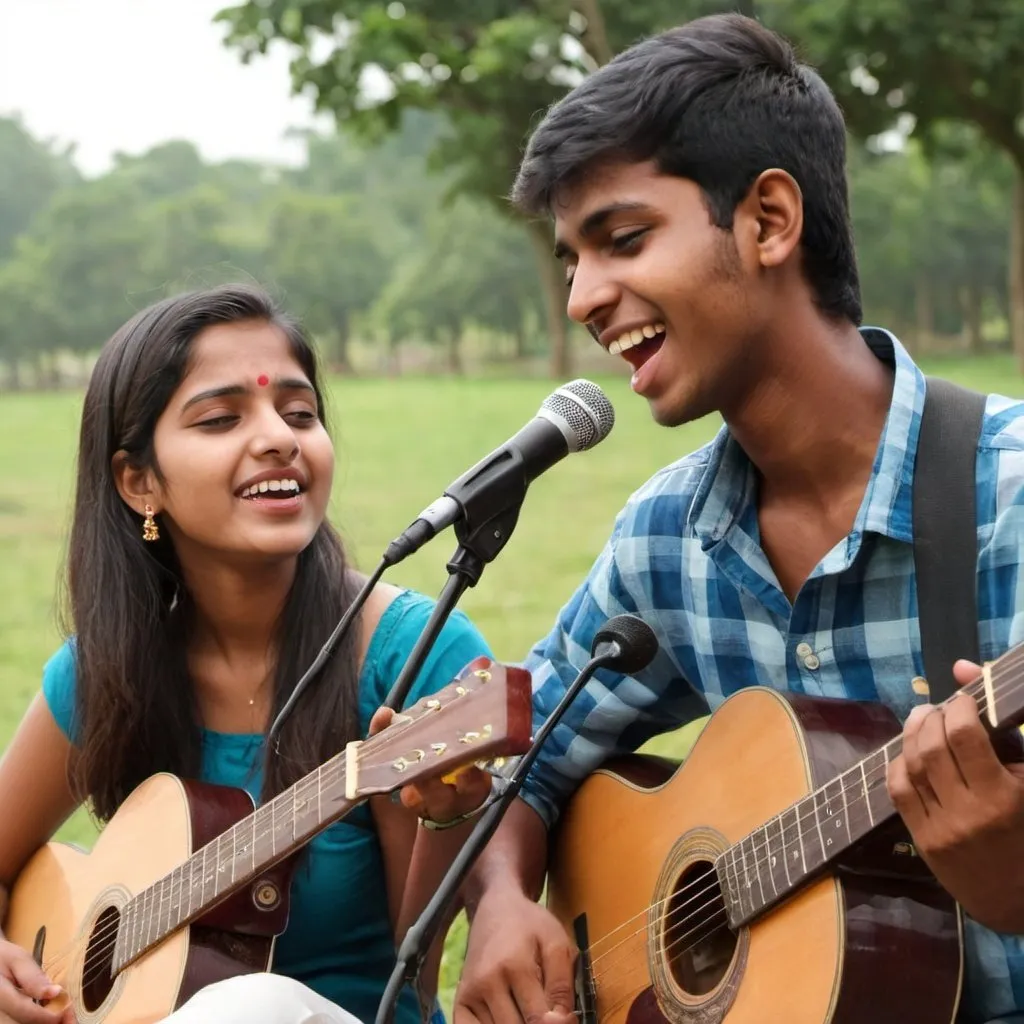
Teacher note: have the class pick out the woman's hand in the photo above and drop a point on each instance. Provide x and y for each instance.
(22, 983)
(440, 798)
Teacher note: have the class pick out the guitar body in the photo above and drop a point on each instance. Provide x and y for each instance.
(875, 939)
(69, 894)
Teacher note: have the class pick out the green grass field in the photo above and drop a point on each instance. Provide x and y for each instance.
(398, 445)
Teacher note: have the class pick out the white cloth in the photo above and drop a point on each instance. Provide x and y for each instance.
(259, 999)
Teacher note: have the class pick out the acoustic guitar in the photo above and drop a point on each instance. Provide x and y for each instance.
(768, 879)
(188, 885)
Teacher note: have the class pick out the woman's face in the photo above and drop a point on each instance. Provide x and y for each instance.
(245, 461)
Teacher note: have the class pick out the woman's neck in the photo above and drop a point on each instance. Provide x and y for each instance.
(237, 608)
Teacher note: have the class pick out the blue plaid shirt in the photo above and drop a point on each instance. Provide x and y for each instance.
(685, 555)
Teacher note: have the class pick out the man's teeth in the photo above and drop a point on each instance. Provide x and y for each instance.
(635, 337)
(271, 485)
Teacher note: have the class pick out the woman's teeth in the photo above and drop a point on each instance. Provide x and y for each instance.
(635, 337)
(289, 487)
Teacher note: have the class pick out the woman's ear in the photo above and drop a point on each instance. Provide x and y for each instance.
(137, 487)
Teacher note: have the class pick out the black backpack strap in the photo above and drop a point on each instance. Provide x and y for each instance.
(946, 531)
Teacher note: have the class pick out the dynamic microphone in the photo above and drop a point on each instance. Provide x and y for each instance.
(624, 644)
(573, 418)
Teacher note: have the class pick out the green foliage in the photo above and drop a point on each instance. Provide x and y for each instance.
(957, 60)
(31, 172)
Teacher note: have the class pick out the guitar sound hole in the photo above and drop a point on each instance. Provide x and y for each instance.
(97, 976)
(698, 941)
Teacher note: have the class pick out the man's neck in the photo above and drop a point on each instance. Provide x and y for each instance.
(812, 422)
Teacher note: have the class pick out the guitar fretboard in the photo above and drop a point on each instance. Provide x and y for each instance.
(771, 862)
(268, 835)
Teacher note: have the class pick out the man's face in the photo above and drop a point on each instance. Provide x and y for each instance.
(656, 282)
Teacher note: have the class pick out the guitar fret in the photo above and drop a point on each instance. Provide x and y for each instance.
(792, 844)
(777, 857)
(758, 859)
(878, 796)
(835, 817)
(147, 909)
(742, 889)
(191, 884)
(867, 793)
(817, 825)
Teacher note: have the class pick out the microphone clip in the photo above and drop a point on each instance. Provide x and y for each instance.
(481, 542)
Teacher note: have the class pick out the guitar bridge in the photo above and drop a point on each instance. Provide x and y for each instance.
(586, 993)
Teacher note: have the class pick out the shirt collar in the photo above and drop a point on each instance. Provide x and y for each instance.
(728, 485)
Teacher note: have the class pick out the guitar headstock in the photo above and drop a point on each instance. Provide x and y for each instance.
(485, 713)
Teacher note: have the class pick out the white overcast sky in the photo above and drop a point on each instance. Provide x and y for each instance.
(123, 75)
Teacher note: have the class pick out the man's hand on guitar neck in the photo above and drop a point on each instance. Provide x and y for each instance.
(964, 808)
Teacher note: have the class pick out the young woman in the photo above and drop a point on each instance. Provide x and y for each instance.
(203, 578)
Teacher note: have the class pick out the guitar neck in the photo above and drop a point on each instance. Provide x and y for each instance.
(774, 860)
(272, 833)
(485, 714)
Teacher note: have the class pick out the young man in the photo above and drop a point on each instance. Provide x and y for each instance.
(697, 186)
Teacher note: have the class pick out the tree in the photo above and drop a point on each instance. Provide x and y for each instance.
(471, 267)
(931, 235)
(323, 251)
(31, 173)
(918, 63)
(490, 66)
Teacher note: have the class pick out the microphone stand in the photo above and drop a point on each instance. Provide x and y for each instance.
(422, 932)
(478, 545)
(327, 650)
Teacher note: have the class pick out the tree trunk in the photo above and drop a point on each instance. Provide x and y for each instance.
(924, 306)
(14, 375)
(553, 286)
(520, 340)
(1016, 283)
(595, 38)
(394, 355)
(455, 350)
(342, 358)
(970, 304)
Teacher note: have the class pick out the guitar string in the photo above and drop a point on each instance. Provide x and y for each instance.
(312, 782)
(800, 820)
(672, 947)
(757, 860)
(714, 900)
(97, 957)
(812, 812)
(797, 821)
(757, 863)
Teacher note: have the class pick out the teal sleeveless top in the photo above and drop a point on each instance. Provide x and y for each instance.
(339, 939)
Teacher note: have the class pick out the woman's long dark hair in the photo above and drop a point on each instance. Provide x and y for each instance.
(131, 614)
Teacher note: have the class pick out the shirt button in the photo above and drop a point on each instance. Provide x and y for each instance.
(811, 662)
(802, 650)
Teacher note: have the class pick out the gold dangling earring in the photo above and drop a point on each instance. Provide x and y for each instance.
(150, 532)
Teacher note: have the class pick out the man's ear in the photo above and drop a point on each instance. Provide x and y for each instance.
(776, 204)
(136, 486)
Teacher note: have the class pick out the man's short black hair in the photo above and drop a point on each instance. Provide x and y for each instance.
(717, 101)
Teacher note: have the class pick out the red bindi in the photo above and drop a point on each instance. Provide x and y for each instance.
(263, 380)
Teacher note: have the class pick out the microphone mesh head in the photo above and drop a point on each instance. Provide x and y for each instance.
(636, 639)
(586, 409)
